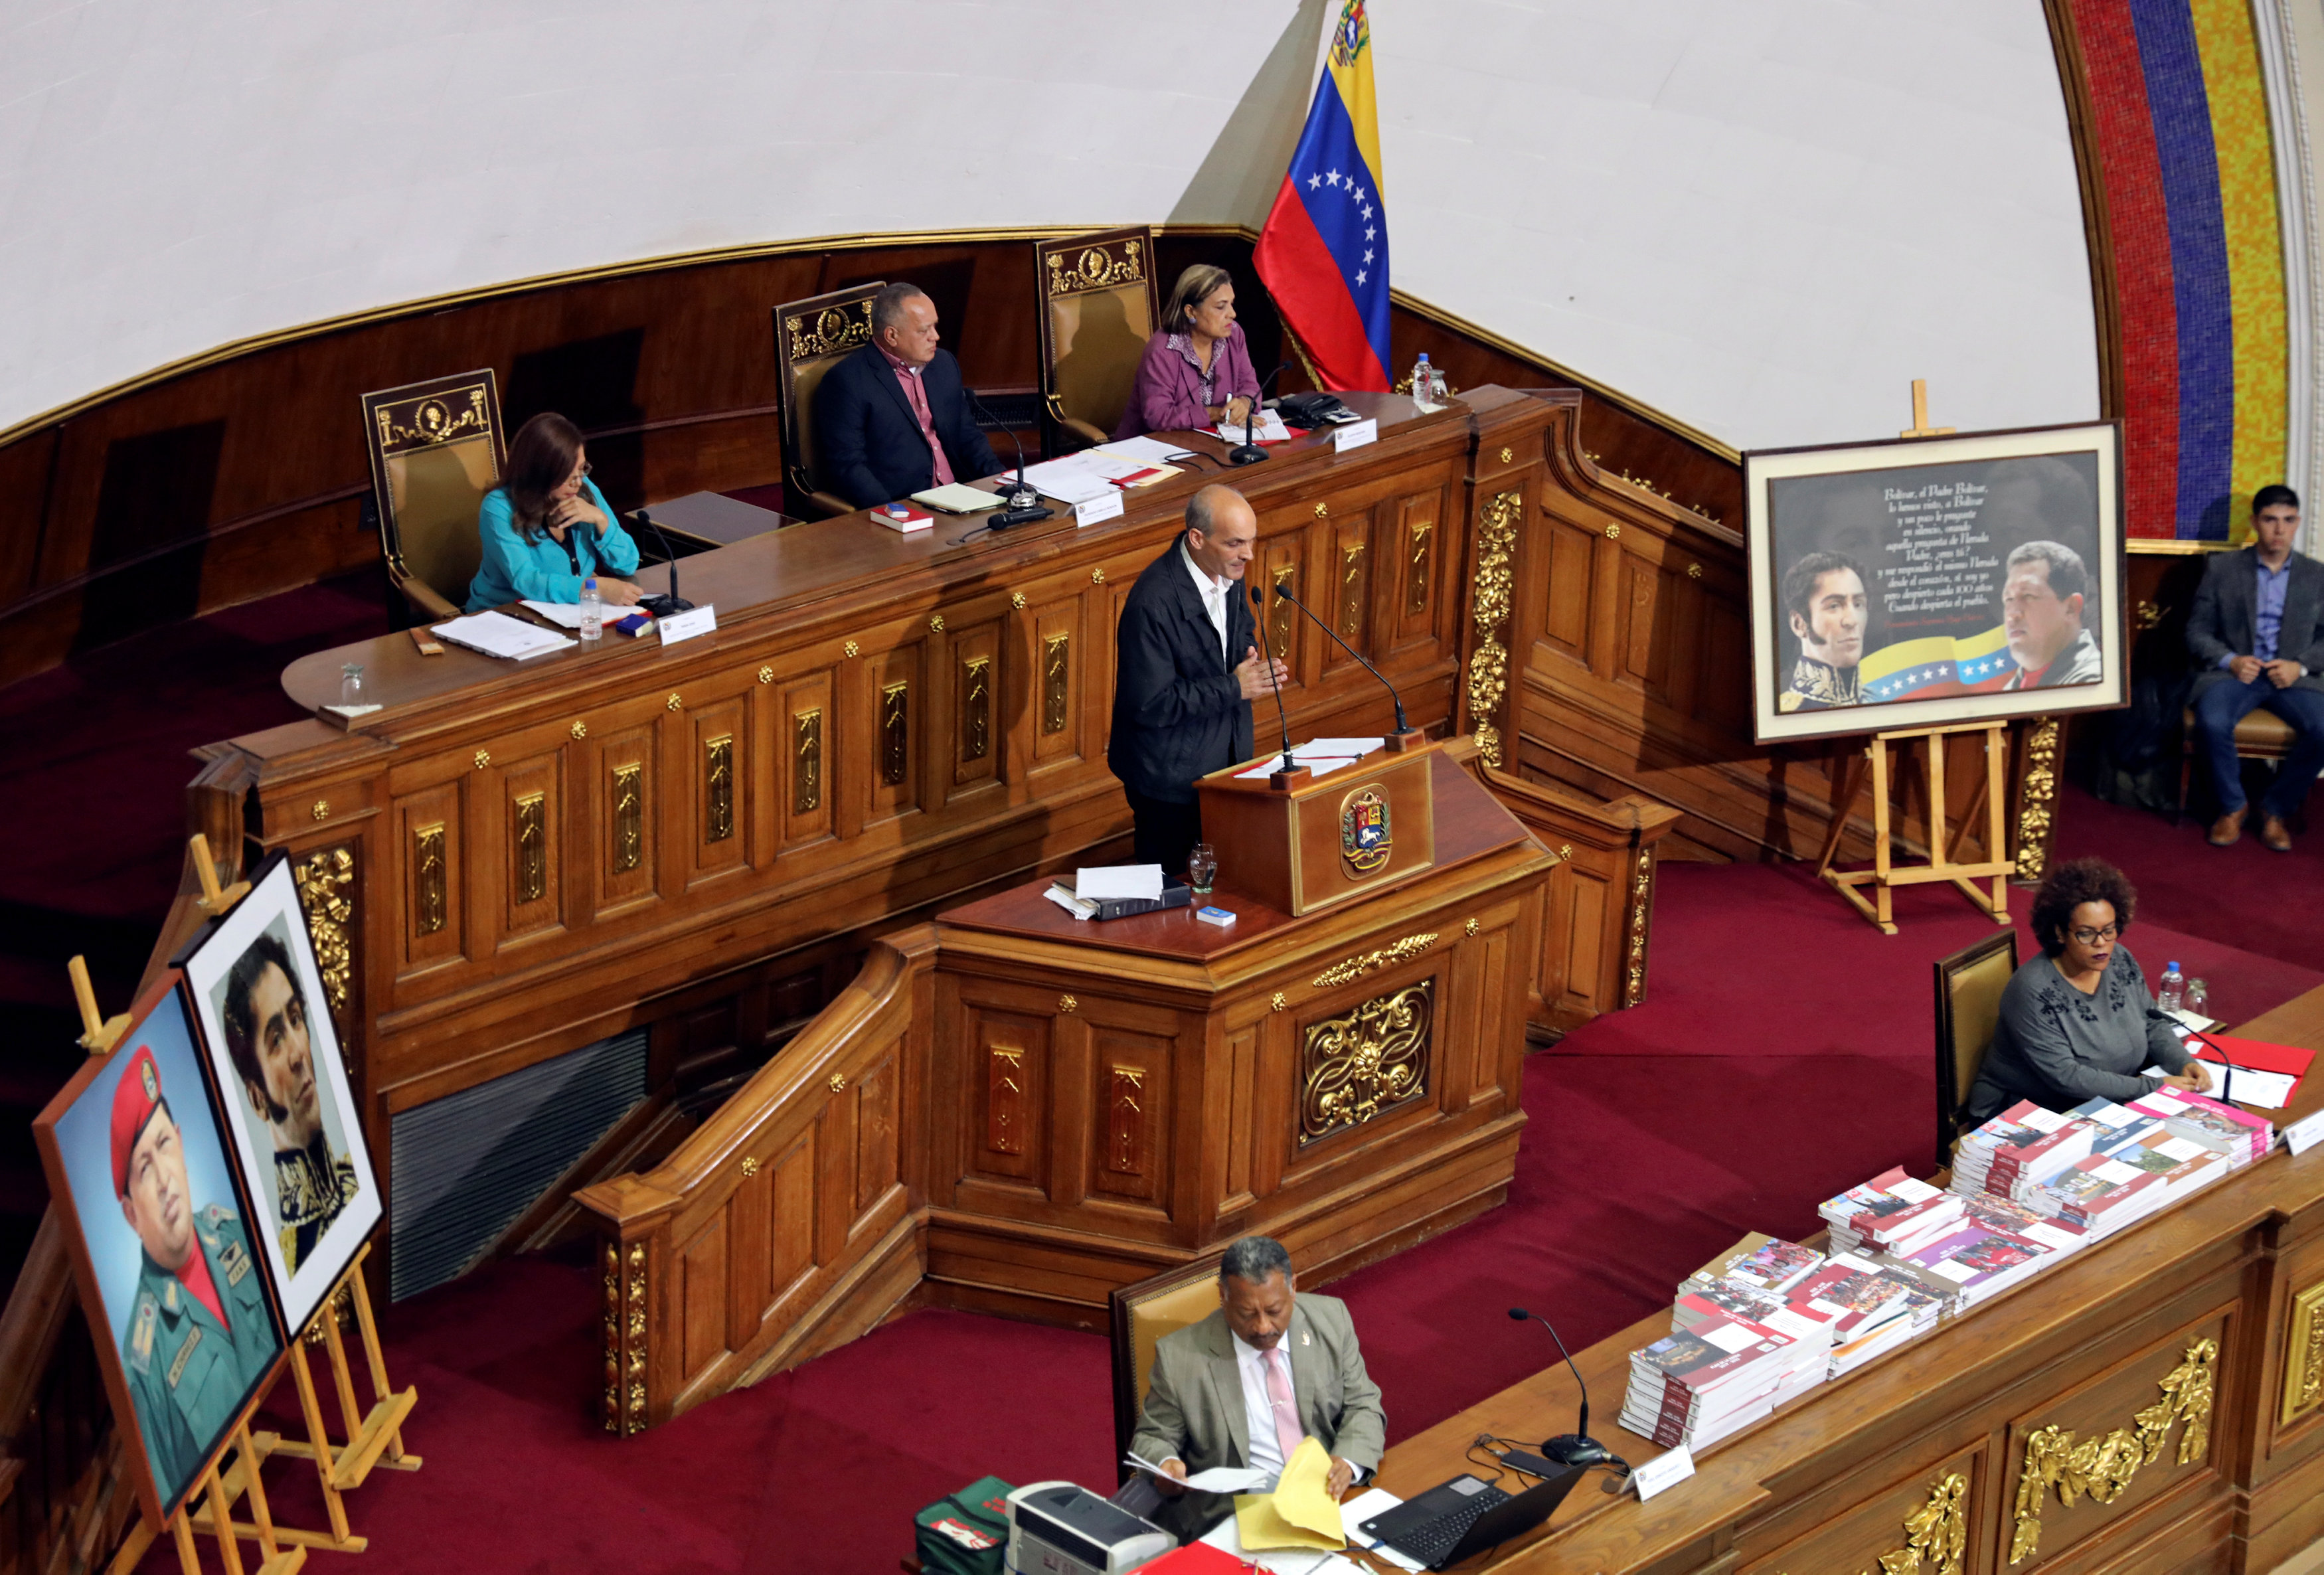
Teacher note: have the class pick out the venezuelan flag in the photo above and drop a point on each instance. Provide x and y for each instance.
(1936, 666)
(1324, 252)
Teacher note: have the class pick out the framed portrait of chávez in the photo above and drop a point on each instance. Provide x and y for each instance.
(1925, 582)
(273, 1056)
(163, 1250)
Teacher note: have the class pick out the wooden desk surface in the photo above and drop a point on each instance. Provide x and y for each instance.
(828, 568)
(1893, 1405)
(711, 518)
(1469, 823)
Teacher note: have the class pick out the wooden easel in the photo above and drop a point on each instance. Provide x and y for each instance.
(1885, 873)
(277, 1554)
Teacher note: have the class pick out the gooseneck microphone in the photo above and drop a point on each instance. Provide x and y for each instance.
(1407, 736)
(1576, 1448)
(1248, 452)
(1025, 504)
(1290, 770)
(662, 606)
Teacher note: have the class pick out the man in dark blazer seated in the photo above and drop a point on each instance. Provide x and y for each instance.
(2258, 633)
(1186, 672)
(891, 419)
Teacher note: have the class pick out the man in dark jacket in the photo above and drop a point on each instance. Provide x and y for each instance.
(1185, 673)
(2256, 633)
(891, 418)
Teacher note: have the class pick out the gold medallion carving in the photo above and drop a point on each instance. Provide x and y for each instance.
(1357, 967)
(321, 809)
(976, 708)
(895, 733)
(1469, 926)
(838, 1082)
(766, 675)
(936, 624)
(1277, 1001)
(1099, 267)
(1057, 681)
(1352, 1068)
(429, 903)
(1937, 1533)
(1066, 1003)
(1489, 607)
(2037, 798)
(531, 883)
(849, 648)
(1322, 510)
(806, 760)
(2304, 1353)
(718, 788)
(580, 730)
(1097, 577)
(2102, 1467)
(484, 759)
(629, 816)
(750, 1167)
(674, 702)
(422, 423)
(1017, 599)
(833, 330)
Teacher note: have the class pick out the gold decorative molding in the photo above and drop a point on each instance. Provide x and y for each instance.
(484, 759)
(320, 809)
(1057, 681)
(1488, 608)
(806, 760)
(1469, 926)
(1125, 1137)
(1613, 528)
(976, 707)
(750, 1167)
(1101, 266)
(936, 624)
(1277, 1001)
(1066, 1003)
(322, 878)
(1097, 577)
(1634, 983)
(1322, 510)
(1415, 578)
(676, 702)
(579, 729)
(2037, 798)
(834, 330)
(838, 1082)
(895, 733)
(406, 425)
(429, 905)
(1357, 967)
(1508, 454)
(532, 882)
(718, 787)
(849, 648)
(1352, 590)
(1694, 571)
(1004, 1100)
(1938, 1531)
(629, 816)
(766, 675)
(2102, 1467)
(1017, 599)
(1352, 1068)
(2304, 1353)
(1278, 616)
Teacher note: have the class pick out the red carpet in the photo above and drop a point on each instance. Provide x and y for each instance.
(1769, 997)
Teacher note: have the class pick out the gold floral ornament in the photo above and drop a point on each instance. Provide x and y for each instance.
(1355, 1066)
(2102, 1467)
(1489, 605)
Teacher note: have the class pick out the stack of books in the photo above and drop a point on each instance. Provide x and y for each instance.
(2228, 1129)
(1854, 1215)
(2014, 1153)
(1982, 1260)
(1722, 1376)
(1876, 1310)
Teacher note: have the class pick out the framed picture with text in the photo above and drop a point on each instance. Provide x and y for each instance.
(1922, 582)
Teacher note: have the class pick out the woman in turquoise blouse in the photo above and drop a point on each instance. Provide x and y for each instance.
(548, 527)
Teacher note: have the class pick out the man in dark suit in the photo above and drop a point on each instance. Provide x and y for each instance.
(1185, 673)
(891, 418)
(2257, 631)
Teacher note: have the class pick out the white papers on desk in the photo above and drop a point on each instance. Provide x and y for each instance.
(1350, 746)
(1317, 765)
(2270, 1090)
(1079, 478)
(1227, 1537)
(1143, 451)
(564, 614)
(1363, 1507)
(1104, 882)
(1267, 428)
(496, 634)
(1217, 1480)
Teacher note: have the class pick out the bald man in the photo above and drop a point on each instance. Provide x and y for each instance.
(1187, 669)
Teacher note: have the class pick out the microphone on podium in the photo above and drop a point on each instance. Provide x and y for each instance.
(1407, 736)
(1287, 772)
(1576, 1448)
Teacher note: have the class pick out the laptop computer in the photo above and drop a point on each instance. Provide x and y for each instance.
(1468, 1514)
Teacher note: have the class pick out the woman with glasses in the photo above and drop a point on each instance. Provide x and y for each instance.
(2077, 1022)
(546, 527)
(1196, 372)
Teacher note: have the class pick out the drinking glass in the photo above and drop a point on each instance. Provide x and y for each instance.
(1201, 868)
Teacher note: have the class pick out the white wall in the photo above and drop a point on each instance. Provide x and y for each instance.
(1763, 216)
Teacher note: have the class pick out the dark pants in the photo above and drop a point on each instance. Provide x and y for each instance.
(1164, 833)
(2220, 705)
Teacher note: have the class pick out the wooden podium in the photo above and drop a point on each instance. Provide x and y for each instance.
(1300, 843)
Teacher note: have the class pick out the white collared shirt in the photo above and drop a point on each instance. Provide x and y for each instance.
(1214, 592)
(1257, 1408)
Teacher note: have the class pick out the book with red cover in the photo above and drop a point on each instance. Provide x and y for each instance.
(903, 517)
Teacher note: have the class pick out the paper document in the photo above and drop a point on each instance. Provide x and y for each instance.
(1144, 451)
(1106, 881)
(1072, 480)
(1319, 765)
(1267, 427)
(953, 498)
(1301, 1513)
(1223, 1536)
(496, 634)
(1070, 903)
(1217, 1480)
(1363, 1508)
(1340, 746)
(564, 614)
(2270, 1090)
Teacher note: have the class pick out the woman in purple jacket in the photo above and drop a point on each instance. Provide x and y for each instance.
(1196, 372)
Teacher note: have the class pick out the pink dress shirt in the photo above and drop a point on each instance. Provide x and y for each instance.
(909, 377)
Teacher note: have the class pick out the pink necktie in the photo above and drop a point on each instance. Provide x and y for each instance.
(1287, 1433)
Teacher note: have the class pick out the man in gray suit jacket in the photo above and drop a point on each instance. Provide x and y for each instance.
(1244, 1386)
(2257, 631)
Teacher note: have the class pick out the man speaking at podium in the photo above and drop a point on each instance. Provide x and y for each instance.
(1186, 672)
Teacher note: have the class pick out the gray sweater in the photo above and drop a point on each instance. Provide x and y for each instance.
(2058, 1047)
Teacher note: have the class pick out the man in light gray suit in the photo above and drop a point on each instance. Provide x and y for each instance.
(2257, 632)
(1244, 1386)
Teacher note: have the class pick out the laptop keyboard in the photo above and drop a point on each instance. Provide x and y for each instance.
(1431, 1540)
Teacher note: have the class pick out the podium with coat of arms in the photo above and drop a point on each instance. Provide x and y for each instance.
(1338, 1067)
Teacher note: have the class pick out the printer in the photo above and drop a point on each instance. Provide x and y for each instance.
(1058, 1528)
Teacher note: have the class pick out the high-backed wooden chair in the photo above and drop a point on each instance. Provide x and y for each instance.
(2263, 735)
(1968, 1006)
(811, 337)
(1098, 310)
(1142, 1314)
(436, 450)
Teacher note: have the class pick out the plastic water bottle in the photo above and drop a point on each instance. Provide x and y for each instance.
(2170, 993)
(1423, 383)
(592, 613)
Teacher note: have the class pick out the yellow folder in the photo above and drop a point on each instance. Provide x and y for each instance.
(1301, 1513)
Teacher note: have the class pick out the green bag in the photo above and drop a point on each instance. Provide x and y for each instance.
(965, 1532)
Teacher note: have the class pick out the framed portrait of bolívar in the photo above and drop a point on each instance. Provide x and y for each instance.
(1924, 582)
(163, 1250)
(274, 1057)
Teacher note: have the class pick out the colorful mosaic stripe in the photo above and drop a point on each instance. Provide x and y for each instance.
(2180, 124)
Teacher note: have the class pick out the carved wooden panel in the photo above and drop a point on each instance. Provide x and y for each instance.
(1366, 1060)
(1413, 578)
(1923, 1521)
(2303, 1356)
(628, 818)
(807, 749)
(700, 1297)
(1569, 548)
(718, 734)
(1008, 1112)
(1347, 607)
(791, 1206)
(430, 849)
(898, 701)
(879, 1114)
(531, 845)
(1131, 1106)
(978, 723)
(1282, 562)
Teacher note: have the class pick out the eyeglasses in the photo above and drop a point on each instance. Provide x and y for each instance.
(586, 471)
(2092, 937)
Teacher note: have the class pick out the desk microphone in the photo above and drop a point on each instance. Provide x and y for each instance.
(1290, 770)
(1025, 504)
(1407, 736)
(1246, 452)
(1576, 1448)
(662, 606)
